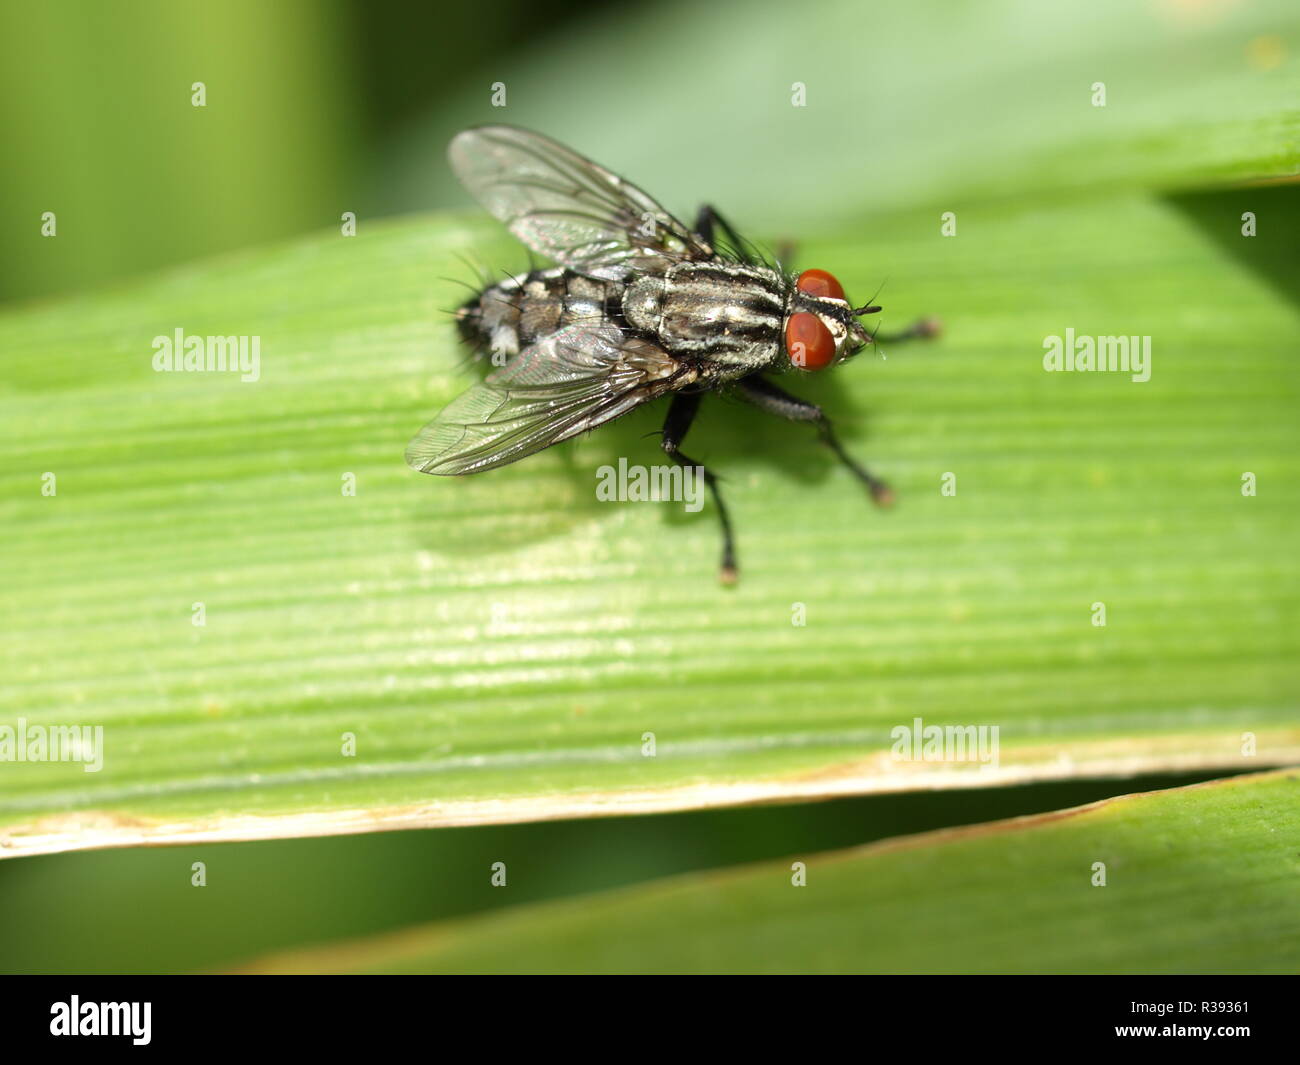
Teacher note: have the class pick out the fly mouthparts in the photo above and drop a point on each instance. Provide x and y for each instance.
(872, 309)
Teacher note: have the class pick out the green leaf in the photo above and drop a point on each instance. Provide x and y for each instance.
(1198, 879)
(499, 645)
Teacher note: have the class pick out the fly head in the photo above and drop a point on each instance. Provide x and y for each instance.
(821, 327)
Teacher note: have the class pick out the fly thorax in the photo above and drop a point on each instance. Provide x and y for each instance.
(726, 312)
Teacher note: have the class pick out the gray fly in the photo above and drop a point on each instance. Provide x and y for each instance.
(639, 307)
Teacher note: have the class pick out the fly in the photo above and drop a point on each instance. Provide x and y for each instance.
(639, 307)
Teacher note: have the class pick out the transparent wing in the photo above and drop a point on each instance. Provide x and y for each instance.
(568, 208)
(571, 381)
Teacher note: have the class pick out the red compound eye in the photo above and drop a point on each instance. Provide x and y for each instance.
(808, 342)
(819, 283)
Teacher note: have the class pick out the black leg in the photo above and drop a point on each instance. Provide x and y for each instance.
(921, 329)
(704, 226)
(676, 425)
(766, 396)
(708, 218)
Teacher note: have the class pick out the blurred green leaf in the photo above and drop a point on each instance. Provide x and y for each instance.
(99, 130)
(1198, 879)
(905, 104)
(500, 644)
(144, 914)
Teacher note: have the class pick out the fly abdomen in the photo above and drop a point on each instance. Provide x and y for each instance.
(507, 317)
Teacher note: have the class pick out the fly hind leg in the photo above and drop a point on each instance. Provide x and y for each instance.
(708, 221)
(768, 397)
(678, 422)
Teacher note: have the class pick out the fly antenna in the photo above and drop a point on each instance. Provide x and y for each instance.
(871, 307)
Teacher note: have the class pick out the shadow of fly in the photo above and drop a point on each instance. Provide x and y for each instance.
(639, 307)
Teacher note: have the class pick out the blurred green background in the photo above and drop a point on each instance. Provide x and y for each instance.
(305, 102)
(316, 107)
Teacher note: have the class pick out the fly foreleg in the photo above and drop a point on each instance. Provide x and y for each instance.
(678, 422)
(768, 397)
